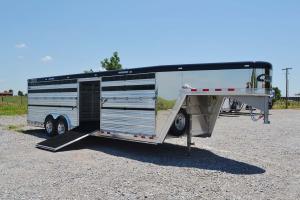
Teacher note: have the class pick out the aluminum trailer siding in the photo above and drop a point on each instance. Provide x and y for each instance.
(148, 104)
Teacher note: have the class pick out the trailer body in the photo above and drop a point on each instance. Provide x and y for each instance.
(143, 104)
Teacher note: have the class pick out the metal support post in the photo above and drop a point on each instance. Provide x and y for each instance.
(286, 85)
(189, 137)
(266, 111)
(189, 131)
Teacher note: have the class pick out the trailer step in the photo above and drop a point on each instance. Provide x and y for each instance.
(63, 140)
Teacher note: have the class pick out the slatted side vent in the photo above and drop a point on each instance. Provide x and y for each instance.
(52, 96)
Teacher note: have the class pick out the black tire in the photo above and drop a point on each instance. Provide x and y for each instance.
(61, 126)
(50, 126)
(180, 124)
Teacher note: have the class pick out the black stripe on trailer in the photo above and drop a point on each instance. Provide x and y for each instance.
(129, 77)
(128, 108)
(53, 90)
(162, 68)
(55, 82)
(53, 106)
(128, 87)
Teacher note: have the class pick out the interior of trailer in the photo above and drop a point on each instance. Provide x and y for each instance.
(89, 104)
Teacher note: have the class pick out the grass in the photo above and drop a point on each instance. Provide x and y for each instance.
(15, 128)
(17, 105)
(280, 104)
(164, 104)
(14, 105)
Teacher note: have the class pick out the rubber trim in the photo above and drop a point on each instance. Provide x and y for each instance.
(129, 77)
(55, 106)
(128, 87)
(53, 90)
(127, 108)
(55, 82)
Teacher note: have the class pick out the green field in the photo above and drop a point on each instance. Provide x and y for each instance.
(15, 105)
(164, 104)
(280, 104)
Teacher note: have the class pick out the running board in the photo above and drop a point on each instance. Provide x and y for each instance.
(63, 140)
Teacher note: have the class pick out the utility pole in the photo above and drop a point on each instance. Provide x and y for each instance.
(286, 85)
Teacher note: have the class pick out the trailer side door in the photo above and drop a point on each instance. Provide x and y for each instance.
(128, 104)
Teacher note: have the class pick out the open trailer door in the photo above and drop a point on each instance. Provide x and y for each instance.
(128, 106)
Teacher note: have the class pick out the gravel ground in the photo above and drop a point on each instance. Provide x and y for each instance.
(242, 160)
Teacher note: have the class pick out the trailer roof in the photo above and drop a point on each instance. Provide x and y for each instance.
(161, 68)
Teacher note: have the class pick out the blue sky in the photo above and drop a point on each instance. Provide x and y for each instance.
(45, 38)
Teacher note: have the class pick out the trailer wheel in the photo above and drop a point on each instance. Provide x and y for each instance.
(62, 126)
(50, 126)
(180, 124)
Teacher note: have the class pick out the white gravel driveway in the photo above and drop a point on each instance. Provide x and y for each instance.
(242, 160)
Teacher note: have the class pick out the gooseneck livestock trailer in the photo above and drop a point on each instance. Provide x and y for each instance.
(144, 104)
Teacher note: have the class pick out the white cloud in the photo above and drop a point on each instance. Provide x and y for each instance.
(46, 59)
(2, 80)
(20, 57)
(20, 45)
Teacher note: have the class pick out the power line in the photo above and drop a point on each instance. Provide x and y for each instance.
(286, 85)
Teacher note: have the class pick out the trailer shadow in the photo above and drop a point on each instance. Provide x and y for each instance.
(40, 133)
(167, 155)
(164, 155)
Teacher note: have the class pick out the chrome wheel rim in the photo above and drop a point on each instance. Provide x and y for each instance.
(180, 121)
(49, 127)
(61, 129)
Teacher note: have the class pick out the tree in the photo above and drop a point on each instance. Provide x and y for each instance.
(113, 63)
(11, 91)
(20, 93)
(277, 93)
(88, 71)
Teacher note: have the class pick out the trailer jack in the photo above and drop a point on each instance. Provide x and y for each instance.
(189, 138)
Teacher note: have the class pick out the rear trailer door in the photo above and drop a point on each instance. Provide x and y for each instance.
(128, 105)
